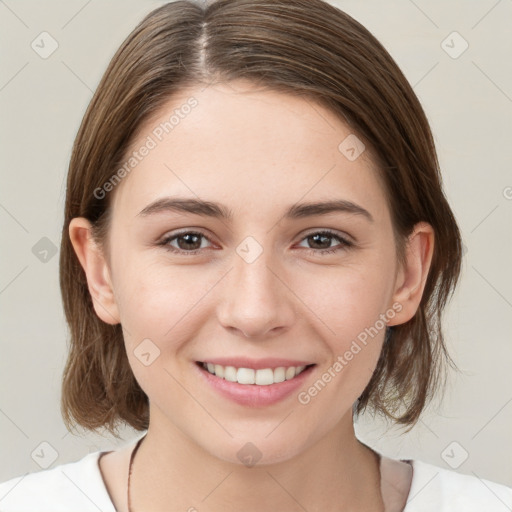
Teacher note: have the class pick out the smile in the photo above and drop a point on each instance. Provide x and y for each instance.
(254, 383)
(260, 377)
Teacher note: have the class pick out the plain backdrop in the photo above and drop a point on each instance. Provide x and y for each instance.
(464, 82)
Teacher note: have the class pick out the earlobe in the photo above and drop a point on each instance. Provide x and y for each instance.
(412, 276)
(96, 269)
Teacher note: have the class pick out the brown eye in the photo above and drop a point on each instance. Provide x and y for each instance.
(320, 242)
(324, 241)
(188, 242)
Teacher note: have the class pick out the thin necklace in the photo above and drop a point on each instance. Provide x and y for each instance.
(139, 442)
(134, 451)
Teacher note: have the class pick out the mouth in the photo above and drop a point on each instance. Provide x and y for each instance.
(251, 387)
(252, 376)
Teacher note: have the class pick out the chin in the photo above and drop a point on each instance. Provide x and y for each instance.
(257, 453)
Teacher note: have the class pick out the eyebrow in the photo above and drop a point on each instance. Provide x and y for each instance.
(219, 211)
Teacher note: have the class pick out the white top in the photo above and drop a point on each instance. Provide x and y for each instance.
(79, 487)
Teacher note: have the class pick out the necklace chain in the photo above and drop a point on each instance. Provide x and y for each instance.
(132, 457)
(134, 451)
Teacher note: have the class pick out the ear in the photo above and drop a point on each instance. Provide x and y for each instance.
(96, 269)
(412, 276)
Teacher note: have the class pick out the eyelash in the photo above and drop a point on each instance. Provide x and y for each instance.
(345, 244)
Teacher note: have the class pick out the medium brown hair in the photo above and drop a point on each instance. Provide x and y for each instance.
(307, 48)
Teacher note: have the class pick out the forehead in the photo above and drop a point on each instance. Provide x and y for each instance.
(245, 147)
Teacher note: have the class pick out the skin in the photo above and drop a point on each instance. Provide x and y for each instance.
(256, 152)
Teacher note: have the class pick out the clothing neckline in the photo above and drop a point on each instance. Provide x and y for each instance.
(396, 479)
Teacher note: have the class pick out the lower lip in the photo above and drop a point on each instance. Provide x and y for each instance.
(254, 395)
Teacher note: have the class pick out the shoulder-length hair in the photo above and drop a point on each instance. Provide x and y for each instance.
(306, 48)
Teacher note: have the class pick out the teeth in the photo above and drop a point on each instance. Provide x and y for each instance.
(229, 373)
(263, 377)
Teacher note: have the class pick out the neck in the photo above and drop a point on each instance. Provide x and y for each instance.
(335, 473)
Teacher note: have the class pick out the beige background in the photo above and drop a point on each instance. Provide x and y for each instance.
(468, 101)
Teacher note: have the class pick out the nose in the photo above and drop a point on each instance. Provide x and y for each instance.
(256, 299)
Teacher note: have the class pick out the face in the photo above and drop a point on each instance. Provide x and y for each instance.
(269, 279)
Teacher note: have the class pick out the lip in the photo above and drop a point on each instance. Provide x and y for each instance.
(252, 395)
(256, 364)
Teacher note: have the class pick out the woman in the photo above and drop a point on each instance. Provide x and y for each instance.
(256, 246)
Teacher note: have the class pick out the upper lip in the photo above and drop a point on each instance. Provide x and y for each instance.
(256, 364)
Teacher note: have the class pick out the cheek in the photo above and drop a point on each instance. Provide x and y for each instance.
(157, 302)
(353, 305)
(158, 308)
(349, 300)
(354, 345)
